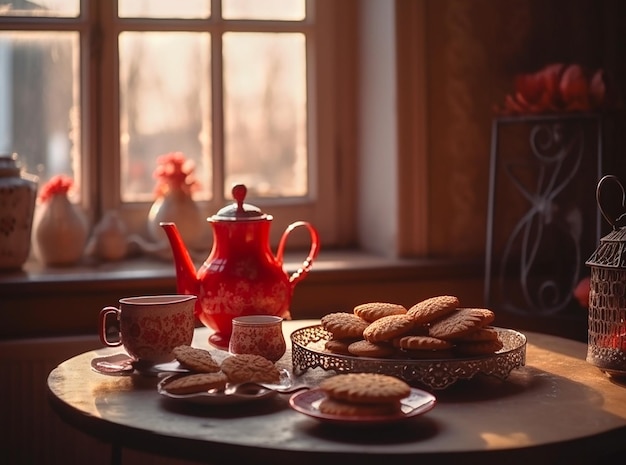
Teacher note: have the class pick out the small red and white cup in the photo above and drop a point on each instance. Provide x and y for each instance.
(258, 335)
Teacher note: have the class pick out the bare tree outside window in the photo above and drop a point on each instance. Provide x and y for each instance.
(98, 90)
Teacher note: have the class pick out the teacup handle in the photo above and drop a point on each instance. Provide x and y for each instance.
(102, 319)
(300, 274)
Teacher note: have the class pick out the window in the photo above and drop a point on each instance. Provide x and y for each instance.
(98, 89)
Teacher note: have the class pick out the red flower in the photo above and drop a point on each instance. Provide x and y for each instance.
(174, 171)
(557, 88)
(581, 292)
(59, 184)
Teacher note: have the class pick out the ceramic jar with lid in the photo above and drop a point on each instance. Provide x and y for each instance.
(607, 291)
(18, 193)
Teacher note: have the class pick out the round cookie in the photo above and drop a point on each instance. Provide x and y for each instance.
(417, 330)
(487, 333)
(440, 354)
(343, 325)
(421, 343)
(388, 328)
(479, 347)
(460, 323)
(198, 360)
(431, 309)
(365, 388)
(338, 346)
(197, 382)
(336, 407)
(364, 348)
(250, 368)
(372, 311)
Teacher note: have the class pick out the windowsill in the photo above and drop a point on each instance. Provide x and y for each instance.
(334, 264)
(61, 301)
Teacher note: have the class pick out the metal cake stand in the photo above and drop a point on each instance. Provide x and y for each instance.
(308, 353)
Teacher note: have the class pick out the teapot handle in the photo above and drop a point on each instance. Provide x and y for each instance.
(315, 248)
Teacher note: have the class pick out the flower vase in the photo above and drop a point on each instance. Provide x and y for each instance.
(18, 193)
(177, 206)
(60, 231)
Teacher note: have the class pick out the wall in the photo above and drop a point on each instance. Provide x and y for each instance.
(377, 121)
(474, 49)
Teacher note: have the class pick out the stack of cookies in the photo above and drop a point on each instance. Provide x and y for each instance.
(207, 374)
(437, 327)
(362, 394)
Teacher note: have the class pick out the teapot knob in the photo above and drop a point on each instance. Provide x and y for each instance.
(239, 210)
(239, 194)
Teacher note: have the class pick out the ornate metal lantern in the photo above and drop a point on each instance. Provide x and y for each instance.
(607, 294)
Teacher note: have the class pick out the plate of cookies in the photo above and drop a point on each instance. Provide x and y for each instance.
(430, 345)
(362, 399)
(203, 379)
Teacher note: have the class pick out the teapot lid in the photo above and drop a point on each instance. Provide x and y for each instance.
(611, 253)
(240, 211)
(9, 165)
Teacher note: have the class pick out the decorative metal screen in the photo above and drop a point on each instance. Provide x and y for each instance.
(543, 221)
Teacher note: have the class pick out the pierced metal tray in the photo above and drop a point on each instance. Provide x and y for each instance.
(308, 353)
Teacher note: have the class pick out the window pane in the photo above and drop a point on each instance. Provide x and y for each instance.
(164, 106)
(286, 10)
(39, 101)
(164, 8)
(265, 113)
(67, 8)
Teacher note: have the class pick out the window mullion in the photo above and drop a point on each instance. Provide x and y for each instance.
(216, 9)
(106, 116)
(217, 116)
(91, 48)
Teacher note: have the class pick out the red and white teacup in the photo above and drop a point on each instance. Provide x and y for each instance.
(150, 326)
(258, 335)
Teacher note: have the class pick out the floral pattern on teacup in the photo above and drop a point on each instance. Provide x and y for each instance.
(261, 338)
(154, 337)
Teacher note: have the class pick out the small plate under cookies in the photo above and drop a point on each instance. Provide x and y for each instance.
(233, 394)
(416, 403)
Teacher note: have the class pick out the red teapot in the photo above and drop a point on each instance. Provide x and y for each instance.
(241, 276)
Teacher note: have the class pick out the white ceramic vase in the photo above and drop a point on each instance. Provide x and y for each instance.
(108, 240)
(178, 207)
(60, 232)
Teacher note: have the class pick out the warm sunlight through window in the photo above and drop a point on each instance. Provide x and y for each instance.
(166, 85)
(164, 8)
(164, 106)
(99, 90)
(50, 8)
(265, 112)
(40, 101)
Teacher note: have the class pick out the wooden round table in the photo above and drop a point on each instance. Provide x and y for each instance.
(555, 409)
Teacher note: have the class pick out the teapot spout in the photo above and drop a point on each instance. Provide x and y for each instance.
(186, 279)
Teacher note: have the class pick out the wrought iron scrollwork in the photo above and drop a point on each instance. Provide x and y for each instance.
(542, 256)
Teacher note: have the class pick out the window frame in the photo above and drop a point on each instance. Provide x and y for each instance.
(331, 45)
(325, 145)
(337, 135)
